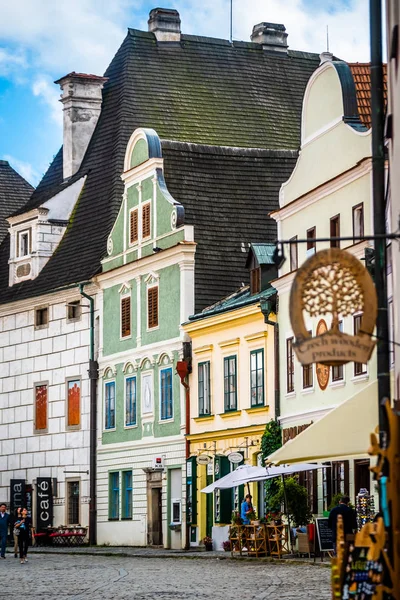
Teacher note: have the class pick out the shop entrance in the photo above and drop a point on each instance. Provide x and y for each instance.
(154, 509)
(362, 475)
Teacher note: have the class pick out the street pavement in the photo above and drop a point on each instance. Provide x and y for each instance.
(62, 576)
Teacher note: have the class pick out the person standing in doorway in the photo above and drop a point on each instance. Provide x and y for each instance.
(349, 518)
(4, 522)
(24, 526)
(246, 509)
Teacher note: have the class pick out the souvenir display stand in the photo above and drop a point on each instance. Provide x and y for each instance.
(365, 507)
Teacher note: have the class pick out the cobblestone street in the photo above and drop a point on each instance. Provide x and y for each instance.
(80, 577)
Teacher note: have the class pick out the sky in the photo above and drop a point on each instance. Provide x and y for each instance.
(42, 40)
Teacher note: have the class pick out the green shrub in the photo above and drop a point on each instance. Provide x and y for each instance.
(297, 501)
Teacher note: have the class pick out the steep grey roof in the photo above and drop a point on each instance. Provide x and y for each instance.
(14, 193)
(227, 194)
(202, 90)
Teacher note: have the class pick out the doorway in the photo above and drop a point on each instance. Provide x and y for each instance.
(156, 512)
(362, 476)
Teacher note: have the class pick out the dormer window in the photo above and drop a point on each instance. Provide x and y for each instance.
(255, 280)
(24, 243)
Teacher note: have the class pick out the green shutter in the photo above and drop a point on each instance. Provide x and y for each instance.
(191, 491)
(223, 498)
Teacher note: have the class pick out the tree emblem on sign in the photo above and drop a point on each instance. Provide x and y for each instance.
(333, 283)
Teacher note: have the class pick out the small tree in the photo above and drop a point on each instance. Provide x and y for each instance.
(297, 501)
(271, 441)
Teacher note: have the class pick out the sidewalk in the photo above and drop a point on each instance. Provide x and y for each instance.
(139, 552)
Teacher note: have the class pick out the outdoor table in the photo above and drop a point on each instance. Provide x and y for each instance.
(68, 536)
(278, 540)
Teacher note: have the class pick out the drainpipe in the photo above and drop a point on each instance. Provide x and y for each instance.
(267, 307)
(183, 368)
(93, 377)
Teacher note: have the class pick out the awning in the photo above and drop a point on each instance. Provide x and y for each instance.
(343, 432)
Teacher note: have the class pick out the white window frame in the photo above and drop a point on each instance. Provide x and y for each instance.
(36, 309)
(121, 298)
(67, 382)
(142, 237)
(105, 382)
(136, 242)
(75, 303)
(148, 287)
(163, 368)
(360, 376)
(21, 233)
(131, 376)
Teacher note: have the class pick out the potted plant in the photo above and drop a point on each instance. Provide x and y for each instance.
(252, 517)
(208, 543)
(226, 545)
(235, 518)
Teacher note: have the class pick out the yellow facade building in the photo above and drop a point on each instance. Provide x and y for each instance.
(232, 395)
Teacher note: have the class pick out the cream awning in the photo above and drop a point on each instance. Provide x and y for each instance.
(343, 432)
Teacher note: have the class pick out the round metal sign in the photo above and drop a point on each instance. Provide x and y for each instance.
(235, 457)
(203, 459)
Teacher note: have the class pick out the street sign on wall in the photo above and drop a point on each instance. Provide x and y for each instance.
(44, 502)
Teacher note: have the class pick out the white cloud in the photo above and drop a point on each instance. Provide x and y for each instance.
(26, 170)
(46, 90)
(11, 61)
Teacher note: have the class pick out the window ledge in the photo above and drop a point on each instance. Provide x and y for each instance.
(230, 413)
(257, 409)
(360, 378)
(202, 418)
(109, 429)
(338, 384)
(134, 426)
(306, 391)
(290, 395)
(113, 518)
(163, 421)
(122, 519)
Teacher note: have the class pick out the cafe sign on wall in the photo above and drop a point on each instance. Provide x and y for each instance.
(333, 283)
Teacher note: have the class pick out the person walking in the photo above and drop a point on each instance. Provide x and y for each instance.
(4, 522)
(24, 526)
(17, 517)
(349, 518)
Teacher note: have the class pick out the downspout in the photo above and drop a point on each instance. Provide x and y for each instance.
(183, 368)
(93, 377)
(267, 307)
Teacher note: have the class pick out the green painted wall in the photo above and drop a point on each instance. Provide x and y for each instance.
(169, 306)
(140, 153)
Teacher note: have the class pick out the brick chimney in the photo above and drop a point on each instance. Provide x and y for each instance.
(272, 36)
(165, 23)
(81, 97)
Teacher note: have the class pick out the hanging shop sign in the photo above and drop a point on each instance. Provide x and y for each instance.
(235, 457)
(17, 494)
(44, 502)
(333, 283)
(203, 459)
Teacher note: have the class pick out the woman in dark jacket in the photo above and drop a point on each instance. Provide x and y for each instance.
(24, 525)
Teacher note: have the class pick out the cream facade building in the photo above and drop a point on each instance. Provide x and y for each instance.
(327, 196)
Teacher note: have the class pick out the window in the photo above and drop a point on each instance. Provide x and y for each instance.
(335, 231)
(24, 243)
(41, 407)
(74, 310)
(146, 224)
(166, 394)
(359, 368)
(257, 377)
(204, 389)
(127, 494)
(152, 307)
(126, 316)
(130, 401)
(340, 477)
(309, 480)
(358, 221)
(307, 376)
(326, 488)
(230, 383)
(311, 245)
(134, 226)
(338, 371)
(289, 366)
(176, 510)
(73, 502)
(110, 405)
(41, 317)
(293, 253)
(255, 280)
(113, 502)
(73, 403)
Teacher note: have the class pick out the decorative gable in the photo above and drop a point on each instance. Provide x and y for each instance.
(35, 235)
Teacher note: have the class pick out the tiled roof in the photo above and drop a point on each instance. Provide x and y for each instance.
(362, 78)
(14, 193)
(202, 90)
(227, 194)
(238, 299)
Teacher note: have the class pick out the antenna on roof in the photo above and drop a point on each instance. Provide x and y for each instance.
(231, 35)
(327, 38)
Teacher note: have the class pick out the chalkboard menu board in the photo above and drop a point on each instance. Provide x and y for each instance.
(324, 534)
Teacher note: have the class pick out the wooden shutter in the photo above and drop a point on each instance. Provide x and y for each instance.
(134, 230)
(41, 407)
(125, 317)
(74, 395)
(146, 229)
(152, 307)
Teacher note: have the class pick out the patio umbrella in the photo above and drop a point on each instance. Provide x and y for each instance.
(237, 477)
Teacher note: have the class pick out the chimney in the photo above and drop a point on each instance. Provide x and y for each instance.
(272, 36)
(165, 23)
(325, 57)
(81, 97)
